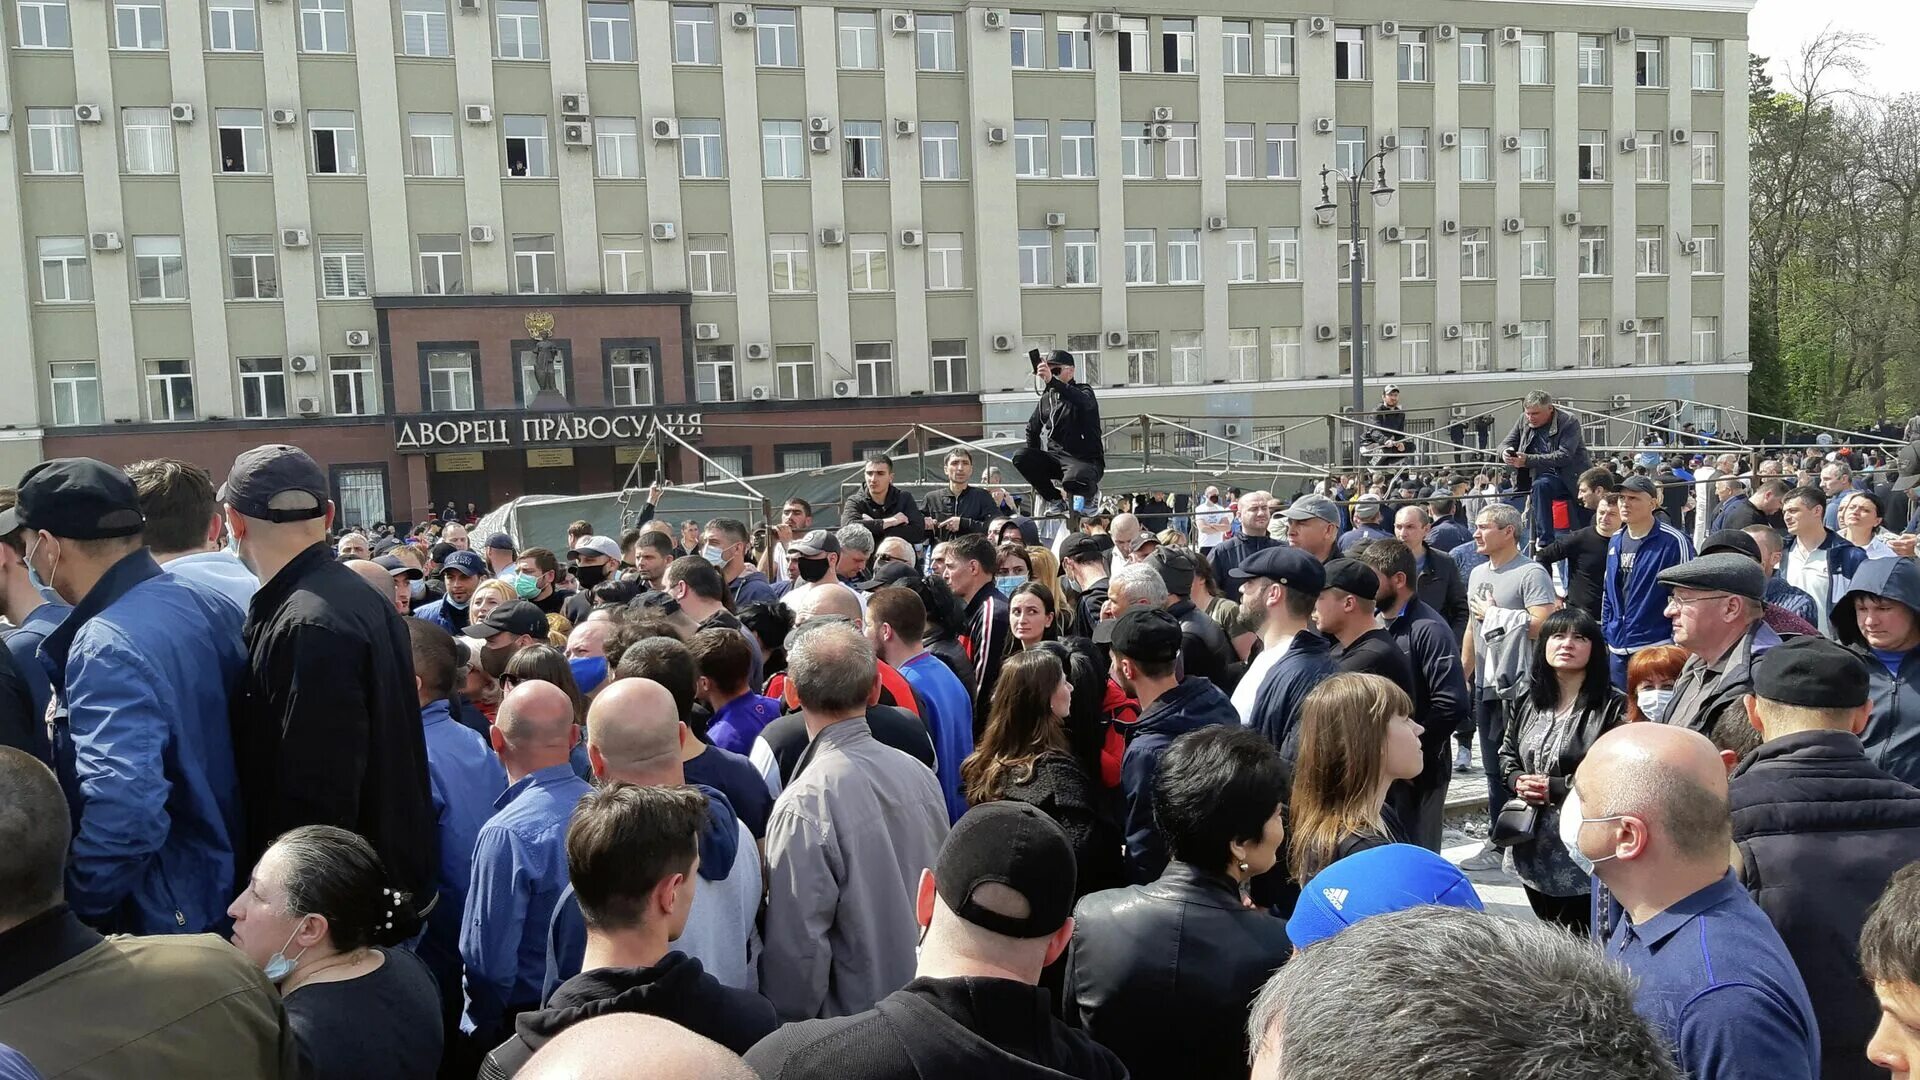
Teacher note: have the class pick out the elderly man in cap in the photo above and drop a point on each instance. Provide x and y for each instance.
(1633, 598)
(1313, 526)
(1784, 621)
(1256, 517)
(1205, 649)
(1366, 529)
(1821, 831)
(141, 671)
(1716, 606)
(327, 722)
(1878, 617)
(460, 573)
(1064, 457)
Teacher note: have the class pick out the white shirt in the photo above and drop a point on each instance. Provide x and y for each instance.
(1211, 513)
(1248, 690)
(1807, 571)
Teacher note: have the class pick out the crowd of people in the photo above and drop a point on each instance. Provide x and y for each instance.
(977, 782)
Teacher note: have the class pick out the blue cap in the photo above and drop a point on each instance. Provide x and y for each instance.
(501, 541)
(1393, 877)
(1287, 566)
(464, 562)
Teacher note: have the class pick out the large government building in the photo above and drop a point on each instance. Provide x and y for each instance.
(787, 233)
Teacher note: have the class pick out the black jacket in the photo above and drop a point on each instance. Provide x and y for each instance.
(326, 724)
(891, 725)
(1376, 653)
(1087, 611)
(861, 509)
(1154, 514)
(1063, 789)
(988, 634)
(973, 506)
(677, 989)
(1440, 684)
(1235, 550)
(1585, 553)
(1066, 420)
(1593, 723)
(1564, 455)
(1444, 589)
(1163, 974)
(939, 1029)
(1205, 649)
(1820, 831)
(1086, 718)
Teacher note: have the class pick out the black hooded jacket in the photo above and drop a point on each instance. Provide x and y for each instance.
(1066, 420)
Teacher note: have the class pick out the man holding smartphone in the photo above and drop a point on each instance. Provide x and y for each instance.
(1063, 451)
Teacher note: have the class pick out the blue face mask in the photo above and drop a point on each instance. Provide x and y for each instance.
(588, 672)
(1009, 582)
(278, 966)
(33, 578)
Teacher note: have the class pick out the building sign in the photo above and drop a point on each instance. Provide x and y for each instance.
(464, 461)
(532, 431)
(550, 458)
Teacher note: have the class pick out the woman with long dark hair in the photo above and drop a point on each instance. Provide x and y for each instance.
(1570, 702)
(1357, 736)
(1030, 616)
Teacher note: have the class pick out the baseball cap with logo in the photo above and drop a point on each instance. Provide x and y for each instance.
(817, 544)
(1376, 881)
(464, 562)
(596, 545)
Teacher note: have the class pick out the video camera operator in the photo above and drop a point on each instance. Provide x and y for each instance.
(1063, 448)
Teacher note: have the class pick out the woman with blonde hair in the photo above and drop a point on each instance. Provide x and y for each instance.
(1357, 736)
(558, 628)
(488, 595)
(1044, 569)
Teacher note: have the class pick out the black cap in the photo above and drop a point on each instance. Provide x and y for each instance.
(1353, 576)
(398, 567)
(1733, 540)
(1810, 671)
(75, 498)
(1175, 568)
(1083, 545)
(1640, 484)
(1147, 634)
(1722, 571)
(500, 541)
(515, 617)
(893, 573)
(439, 552)
(1018, 846)
(656, 600)
(1282, 565)
(384, 545)
(276, 482)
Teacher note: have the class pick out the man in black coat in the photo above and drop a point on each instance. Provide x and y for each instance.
(1439, 583)
(1205, 649)
(1820, 832)
(1344, 612)
(959, 508)
(884, 509)
(1585, 553)
(1083, 560)
(1063, 450)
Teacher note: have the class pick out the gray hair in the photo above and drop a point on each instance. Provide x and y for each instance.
(1137, 585)
(1501, 515)
(831, 664)
(1840, 468)
(1458, 993)
(1537, 397)
(856, 538)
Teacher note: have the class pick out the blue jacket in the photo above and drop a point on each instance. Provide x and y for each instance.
(1191, 705)
(949, 717)
(1557, 449)
(1277, 706)
(1360, 534)
(466, 778)
(1638, 617)
(143, 668)
(1892, 737)
(24, 644)
(444, 615)
(1789, 598)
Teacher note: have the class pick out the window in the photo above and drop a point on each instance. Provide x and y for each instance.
(864, 150)
(1279, 48)
(263, 387)
(253, 267)
(1650, 251)
(533, 264)
(1344, 272)
(949, 357)
(1706, 65)
(1649, 342)
(1416, 348)
(616, 147)
(1138, 256)
(868, 266)
(1413, 56)
(714, 378)
(1593, 344)
(623, 262)
(336, 142)
(1176, 46)
(1349, 52)
(1036, 257)
(1476, 253)
(1593, 251)
(1647, 54)
(363, 496)
(243, 140)
(1073, 43)
(859, 33)
(159, 271)
(793, 372)
(1240, 163)
(1415, 160)
(351, 380)
(1649, 156)
(526, 146)
(1026, 33)
(1474, 164)
(777, 37)
(1086, 349)
(724, 462)
(873, 363)
(1283, 253)
(1346, 351)
(53, 144)
(934, 42)
(1536, 252)
(1283, 151)
(1136, 152)
(1283, 348)
(1591, 60)
(610, 32)
(695, 40)
(791, 263)
(1350, 150)
(423, 28)
(946, 261)
(76, 392)
(1416, 254)
(1082, 247)
(783, 150)
(709, 268)
(149, 135)
(1476, 346)
(517, 22)
(939, 150)
(65, 275)
(1236, 52)
(1535, 70)
(529, 386)
(1143, 358)
(139, 24)
(232, 26)
(1473, 56)
(430, 145)
(1593, 155)
(43, 24)
(1536, 345)
(1706, 157)
(440, 271)
(1187, 349)
(449, 382)
(169, 391)
(1183, 256)
(1243, 256)
(343, 267)
(1535, 164)
(1030, 149)
(323, 25)
(1134, 54)
(1243, 355)
(1706, 260)
(1077, 158)
(702, 155)
(1706, 339)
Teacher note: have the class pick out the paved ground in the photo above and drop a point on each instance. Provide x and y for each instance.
(1465, 837)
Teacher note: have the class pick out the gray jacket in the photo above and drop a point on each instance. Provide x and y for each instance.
(845, 847)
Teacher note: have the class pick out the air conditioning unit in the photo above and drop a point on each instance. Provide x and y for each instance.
(910, 238)
(307, 365)
(1319, 26)
(1445, 31)
(663, 230)
(470, 5)
(1389, 142)
(740, 19)
(845, 388)
(574, 105)
(1629, 326)
(1323, 332)
(1456, 412)
(1449, 140)
(901, 22)
(1003, 343)
(993, 19)
(996, 135)
(1512, 224)
(666, 129)
(1679, 135)
(759, 393)
(293, 238)
(1570, 218)
(1624, 35)
(359, 339)
(1629, 144)
(1116, 339)
(290, 117)
(1230, 429)
(182, 112)
(88, 114)
(1510, 143)
(1216, 222)
(105, 241)
(1106, 22)
(307, 406)
(480, 234)
(1452, 333)
(1323, 125)
(1449, 226)
(1389, 330)
(820, 144)
(1056, 219)
(903, 128)
(832, 236)
(1689, 247)
(576, 133)
(476, 114)
(1509, 35)
(819, 125)
(706, 331)
(1159, 132)
(758, 350)
(1393, 234)
(1622, 401)
(1163, 114)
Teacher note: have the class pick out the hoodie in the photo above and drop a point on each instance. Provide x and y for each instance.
(220, 571)
(1192, 704)
(675, 989)
(751, 587)
(1892, 737)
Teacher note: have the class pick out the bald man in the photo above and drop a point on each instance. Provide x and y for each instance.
(373, 574)
(623, 1045)
(1648, 815)
(635, 736)
(519, 860)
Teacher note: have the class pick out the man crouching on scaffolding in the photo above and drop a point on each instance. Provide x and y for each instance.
(1063, 441)
(1548, 453)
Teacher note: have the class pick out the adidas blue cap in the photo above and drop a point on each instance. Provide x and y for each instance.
(1374, 882)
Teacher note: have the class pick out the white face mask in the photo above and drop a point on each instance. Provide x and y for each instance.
(1571, 821)
(1653, 701)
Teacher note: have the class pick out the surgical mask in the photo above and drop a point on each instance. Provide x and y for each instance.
(526, 586)
(1571, 821)
(714, 554)
(416, 589)
(812, 570)
(589, 576)
(45, 590)
(1653, 701)
(1006, 583)
(457, 605)
(588, 672)
(278, 966)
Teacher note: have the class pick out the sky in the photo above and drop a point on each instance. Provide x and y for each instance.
(1778, 28)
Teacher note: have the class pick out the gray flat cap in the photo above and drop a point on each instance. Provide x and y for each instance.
(1720, 572)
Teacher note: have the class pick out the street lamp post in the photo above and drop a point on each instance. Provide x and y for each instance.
(1328, 214)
